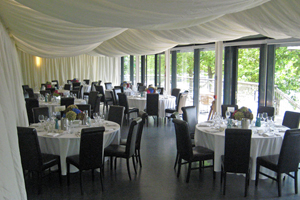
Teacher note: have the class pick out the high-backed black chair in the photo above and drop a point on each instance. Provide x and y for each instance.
(285, 162)
(31, 157)
(75, 92)
(56, 83)
(181, 103)
(143, 115)
(189, 114)
(128, 151)
(186, 150)
(291, 119)
(116, 114)
(45, 92)
(67, 87)
(161, 90)
(268, 109)
(152, 106)
(224, 109)
(51, 90)
(120, 87)
(116, 91)
(39, 111)
(24, 87)
(93, 86)
(100, 89)
(236, 158)
(87, 81)
(84, 107)
(30, 92)
(142, 88)
(90, 153)
(92, 99)
(66, 101)
(175, 92)
(75, 84)
(108, 86)
(31, 103)
(124, 102)
(99, 82)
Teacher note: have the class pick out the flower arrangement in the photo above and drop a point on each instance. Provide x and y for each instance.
(243, 112)
(56, 93)
(75, 80)
(125, 85)
(151, 89)
(48, 84)
(72, 112)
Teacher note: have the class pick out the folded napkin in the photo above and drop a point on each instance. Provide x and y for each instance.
(268, 134)
(109, 129)
(53, 134)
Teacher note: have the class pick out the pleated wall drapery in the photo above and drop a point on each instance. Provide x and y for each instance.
(12, 113)
(95, 68)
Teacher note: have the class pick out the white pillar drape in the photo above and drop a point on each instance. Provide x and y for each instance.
(12, 114)
(218, 75)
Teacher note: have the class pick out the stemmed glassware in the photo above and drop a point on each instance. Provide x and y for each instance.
(227, 114)
(158, 91)
(41, 118)
(265, 117)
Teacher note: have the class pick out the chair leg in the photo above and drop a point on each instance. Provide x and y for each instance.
(59, 171)
(80, 181)
(157, 120)
(257, 174)
(246, 183)
(101, 181)
(189, 172)
(115, 163)
(133, 162)
(296, 181)
(279, 183)
(68, 173)
(128, 169)
(179, 166)
(224, 186)
(39, 182)
(176, 160)
(111, 162)
(139, 157)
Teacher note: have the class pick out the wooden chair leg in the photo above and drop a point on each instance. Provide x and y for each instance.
(133, 162)
(279, 184)
(128, 169)
(224, 186)
(68, 173)
(189, 172)
(257, 174)
(296, 181)
(80, 181)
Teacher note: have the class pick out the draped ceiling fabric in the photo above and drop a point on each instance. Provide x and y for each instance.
(138, 27)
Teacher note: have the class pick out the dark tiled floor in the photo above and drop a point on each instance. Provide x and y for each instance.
(157, 178)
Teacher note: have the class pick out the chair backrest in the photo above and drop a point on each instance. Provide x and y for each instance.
(75, 84)
(75, 92)
(108, 86)
(67, 87)
(100, 89)
(44, 92)
(97, 106)
(30, 152)
(87, 81)
(140, 84)
(66, 101)
(152, 104)
(237, 150)
(291, 119)
(30, 92)
(91, 148)
(289, 156)
(141, 88)
(120, 87)
(123, 101)
(175, 92)
(84, 107)
(132, 135)
(224, 109)
(56, 83)
(113, 97)
(181, 102)
(116, 91)
(93, 98)
(143, 115)
(93, 86)
(183, 139)
(268, 109)
(190, 116)
(99, 82)
(39, 111)
(116, 114)
(161, 90)
(31, 103)
(25, 87)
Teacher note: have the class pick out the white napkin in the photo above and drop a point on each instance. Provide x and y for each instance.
(53, 134)
(268, 134)
(109, 129)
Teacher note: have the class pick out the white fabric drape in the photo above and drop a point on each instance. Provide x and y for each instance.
(12, 113)
(81, 67)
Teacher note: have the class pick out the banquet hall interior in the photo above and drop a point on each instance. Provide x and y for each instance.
(215, 52)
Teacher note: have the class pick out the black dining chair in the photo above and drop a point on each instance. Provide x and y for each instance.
(224, 108)
(181, 103)
(116, 114)
(30, 92)
(101, 91)
(291, 119)
(120, 87)
(85, 107)
(186, 150)
(108, 86)
(31, 157)
(128, 151)
(236, 158)
(90, 155)
(30, 104)
(161, 90)
(128, 110)
(39, 111)
(66, 101)
(189, 114)
(152, 105)
(45, 92)
(116, 91)
(67, 87)
(285, 162)
(75, 92)
(87, 81)
(268, 109)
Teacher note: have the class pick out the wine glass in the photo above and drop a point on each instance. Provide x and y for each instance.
(265, 116)
(158, 91)
(227, 114)
(41, 118)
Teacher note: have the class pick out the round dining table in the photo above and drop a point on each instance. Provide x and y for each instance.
(67, 143)
(164, 103)
(51, 105)
(263, 142)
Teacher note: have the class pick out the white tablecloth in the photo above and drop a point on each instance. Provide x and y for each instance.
(51, 105)
(164, 103)
(85, 88)
(260, 145)
(67, 144)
